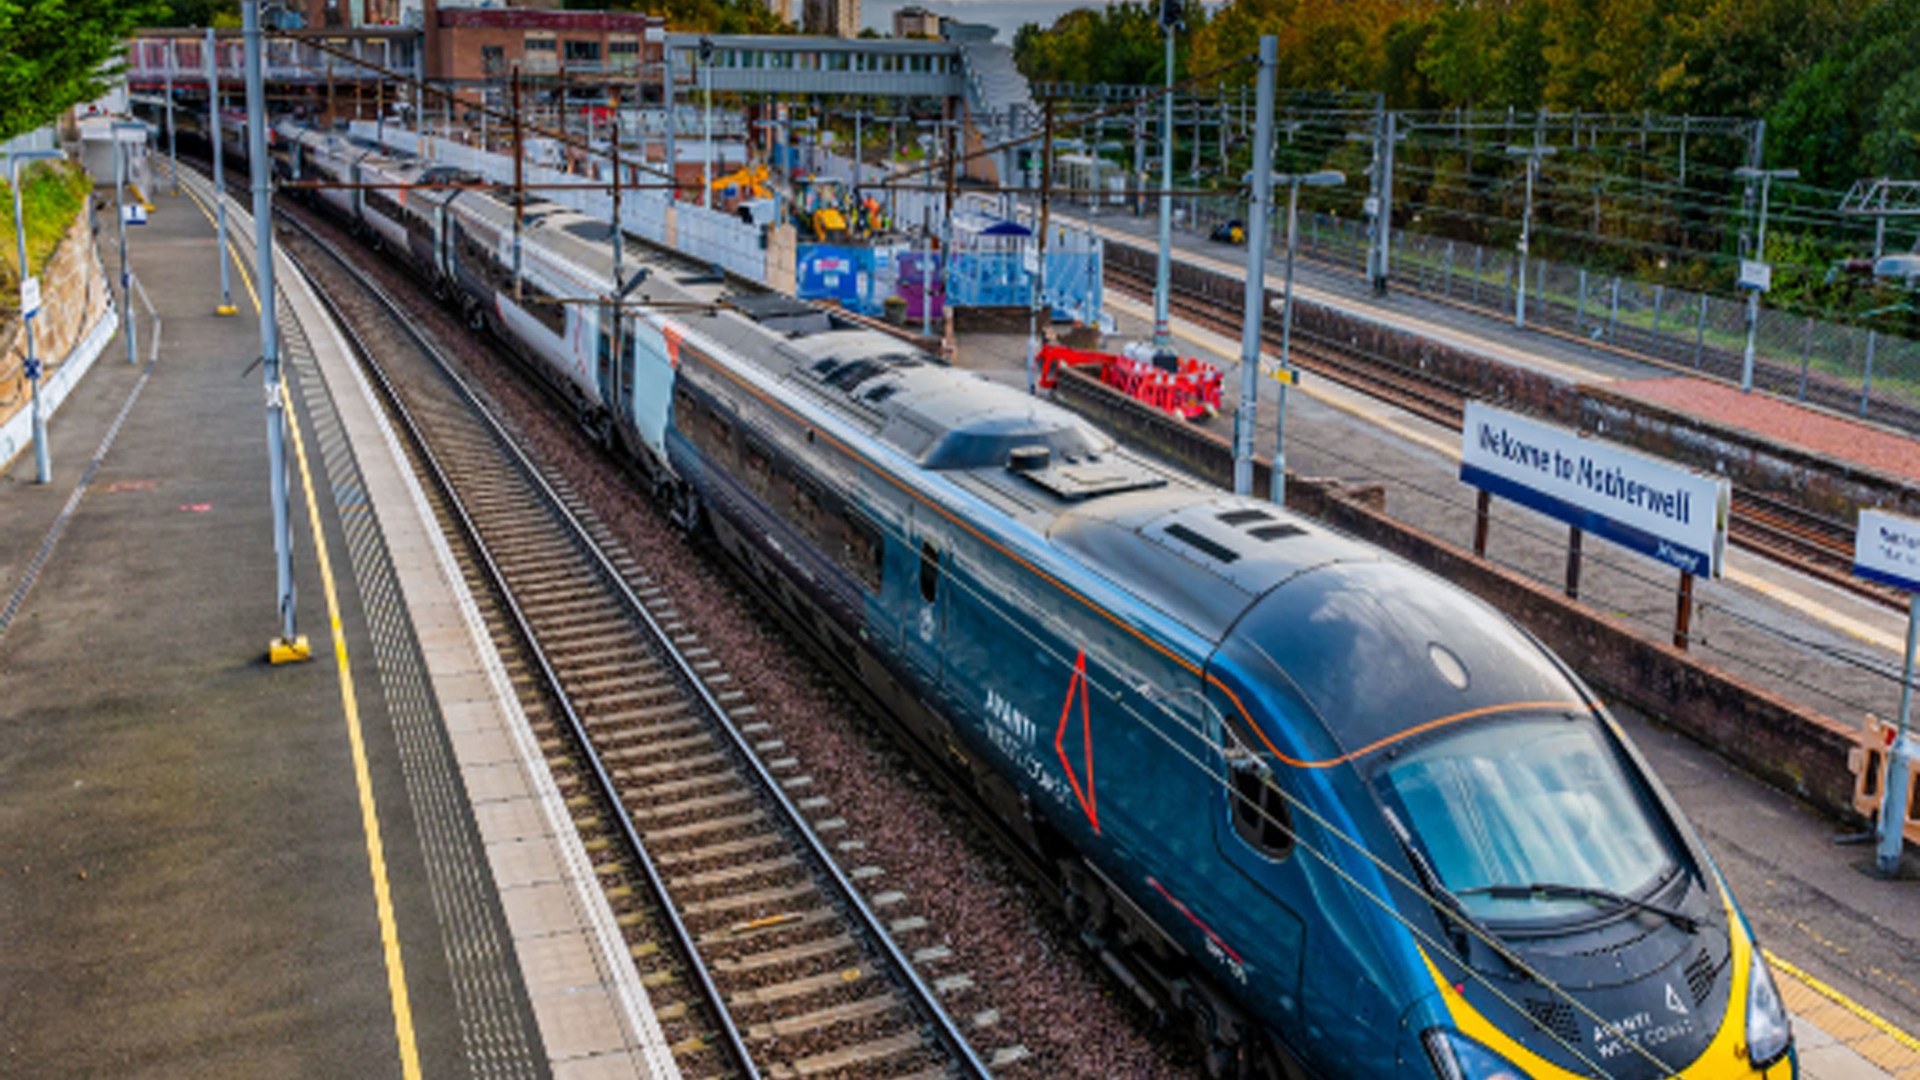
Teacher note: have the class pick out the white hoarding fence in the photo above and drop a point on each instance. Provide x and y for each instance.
(1651, 506)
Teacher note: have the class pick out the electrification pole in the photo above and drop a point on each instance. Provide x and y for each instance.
(1163, 268)
(29, 308)
(1533, 154)
(219, 178)
(1277, 485)
(1757, 281)
(1256, 288)
(120, 209)
(289, 646)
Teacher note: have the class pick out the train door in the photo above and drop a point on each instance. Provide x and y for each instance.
(1253, 832)
(604, 377)
(623, 375)
(924, 600)
(443, 240)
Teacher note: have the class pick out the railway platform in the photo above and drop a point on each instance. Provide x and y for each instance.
(215, 866)
(1819, 432)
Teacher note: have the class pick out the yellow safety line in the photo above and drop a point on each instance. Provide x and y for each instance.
(1860, 1012)
(246, 278)
(362, 776)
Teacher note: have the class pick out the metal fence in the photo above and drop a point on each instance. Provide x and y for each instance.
(1871, 375)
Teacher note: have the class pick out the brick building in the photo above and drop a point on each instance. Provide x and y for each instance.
(916, 22)
(832, 18)
(471, 45)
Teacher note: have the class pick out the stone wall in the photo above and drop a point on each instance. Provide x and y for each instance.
(73, 297)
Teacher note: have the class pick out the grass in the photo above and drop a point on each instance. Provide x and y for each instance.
(52, 195)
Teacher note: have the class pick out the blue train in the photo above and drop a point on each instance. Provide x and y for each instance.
(1340, 817)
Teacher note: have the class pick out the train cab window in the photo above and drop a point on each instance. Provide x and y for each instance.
(929, 571)
(1261, 815)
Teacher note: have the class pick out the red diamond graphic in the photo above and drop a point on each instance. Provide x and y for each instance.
(1077, 686)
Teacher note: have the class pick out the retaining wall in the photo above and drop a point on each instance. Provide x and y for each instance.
(74, 300)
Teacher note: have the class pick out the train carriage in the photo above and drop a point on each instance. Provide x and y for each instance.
(1347, 819)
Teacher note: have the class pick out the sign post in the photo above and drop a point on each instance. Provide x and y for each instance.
(1651, 506)
(1887, 549)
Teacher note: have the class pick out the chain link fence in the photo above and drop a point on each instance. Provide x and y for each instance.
(1796, 356)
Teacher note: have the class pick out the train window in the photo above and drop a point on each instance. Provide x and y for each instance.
(806, 507)
(1260, 813)
(929, 571)
(719, 434)
(863, 551)
(759, 465)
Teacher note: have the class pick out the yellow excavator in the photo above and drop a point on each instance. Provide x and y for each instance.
(816, 208)
(747, 182)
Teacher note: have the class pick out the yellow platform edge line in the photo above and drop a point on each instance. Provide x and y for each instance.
(1859, 1012)
(363, 777)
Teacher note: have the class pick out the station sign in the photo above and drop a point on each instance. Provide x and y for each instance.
(1756, 275)
(134, 213)
(1643, 503)
(1886, 549)
(30, 298)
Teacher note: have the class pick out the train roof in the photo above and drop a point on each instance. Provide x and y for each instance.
(1201, 556)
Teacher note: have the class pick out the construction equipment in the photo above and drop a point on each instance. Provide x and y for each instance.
(817, 210)
(742, 184)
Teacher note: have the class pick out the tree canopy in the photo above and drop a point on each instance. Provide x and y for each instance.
(60, 53)
(1837, 80)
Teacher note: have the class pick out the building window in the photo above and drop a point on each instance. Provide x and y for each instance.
(493, 59)
(583, 52)
(542, 54)
(623, 55)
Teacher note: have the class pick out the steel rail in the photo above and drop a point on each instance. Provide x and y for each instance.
(924, 999)
(603, 782)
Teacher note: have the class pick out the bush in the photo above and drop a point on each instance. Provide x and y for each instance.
(53, 193)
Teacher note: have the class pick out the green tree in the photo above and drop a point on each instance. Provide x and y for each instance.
(1845, 115)
(1120, 43)
(60, 53)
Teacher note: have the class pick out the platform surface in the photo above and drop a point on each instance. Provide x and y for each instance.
(214, 866)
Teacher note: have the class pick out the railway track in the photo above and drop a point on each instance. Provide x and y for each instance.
(761, 955)
(1795, 537)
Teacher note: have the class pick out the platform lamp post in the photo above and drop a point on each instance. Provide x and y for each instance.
(29, 307)
(1284, 375)
(1256, 287)
(1757, 277)
(706, 92)
(219, 177)
(120, 211)
(1163, 266)
(1533, 154)
(288, 646)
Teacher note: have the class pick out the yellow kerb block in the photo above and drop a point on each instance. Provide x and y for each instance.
(283, 651)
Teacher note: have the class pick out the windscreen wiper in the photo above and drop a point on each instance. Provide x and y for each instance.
(1595, 893)
(1430, 879)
